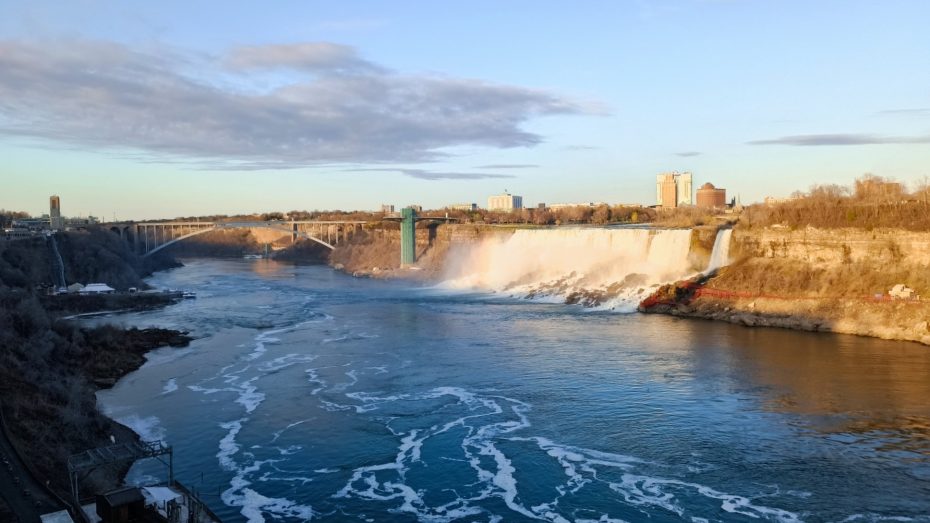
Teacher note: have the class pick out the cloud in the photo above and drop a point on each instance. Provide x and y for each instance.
(841, 139)
(434, 175)
(688, 154)
(508, 166)
(309, 56)
(920, 111)
(108, 97)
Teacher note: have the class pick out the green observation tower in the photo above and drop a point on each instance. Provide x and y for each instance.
(408, 236)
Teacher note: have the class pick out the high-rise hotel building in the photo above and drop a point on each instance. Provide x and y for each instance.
(54, 213)
(674, 189)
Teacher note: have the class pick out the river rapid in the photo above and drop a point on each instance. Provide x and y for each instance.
(313, 395)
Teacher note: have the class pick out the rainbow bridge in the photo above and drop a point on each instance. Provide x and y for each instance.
(147, 238)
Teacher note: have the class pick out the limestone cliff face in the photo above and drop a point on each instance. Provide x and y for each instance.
(835, 280)
(831, 247)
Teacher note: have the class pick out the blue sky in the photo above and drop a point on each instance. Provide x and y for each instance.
(162, 109)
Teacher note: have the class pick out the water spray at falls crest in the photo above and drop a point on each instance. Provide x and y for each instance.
(611, 268)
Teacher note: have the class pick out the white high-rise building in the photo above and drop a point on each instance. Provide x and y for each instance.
(685, 189)
(505, 202)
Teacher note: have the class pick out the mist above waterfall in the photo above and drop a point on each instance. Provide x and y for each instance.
(609, 268)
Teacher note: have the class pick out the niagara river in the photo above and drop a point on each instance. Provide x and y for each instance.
(312, 395)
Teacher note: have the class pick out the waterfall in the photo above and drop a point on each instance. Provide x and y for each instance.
(59, 263)
(720, 256)
(610, 268)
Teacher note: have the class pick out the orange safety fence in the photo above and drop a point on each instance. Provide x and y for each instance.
(720, 293)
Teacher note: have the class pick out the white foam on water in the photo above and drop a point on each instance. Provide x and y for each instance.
(607, 268)
(170, 386)
(646, 490)
(353, 379)
(249, 397)
(330, 406)
(498, 482)
(351, 337)
(253, 504)
(277, 434)
(488, 420)
(228, 445)
(148, 428)
(268, 476)
(165, 355)
(871, 517)
(314, 377)
(285, 361)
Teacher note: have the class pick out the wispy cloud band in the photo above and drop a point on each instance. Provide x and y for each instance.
(812, 140)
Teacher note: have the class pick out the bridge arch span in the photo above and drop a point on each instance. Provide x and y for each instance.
(233, 225)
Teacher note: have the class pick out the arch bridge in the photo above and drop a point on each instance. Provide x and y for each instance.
(149, 238)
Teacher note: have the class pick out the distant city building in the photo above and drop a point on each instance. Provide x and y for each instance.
(417, 208)
(468, 207)
(505, 202)
(54, 213)
(666, 190)
(711, 197)
(541, 206)
(557, 206)
(387, 208)
(771, 200)
(80, 222)
(674, 189)
(32, 224)
(878, 189)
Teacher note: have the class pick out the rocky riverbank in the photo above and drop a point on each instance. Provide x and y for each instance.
(51, 368)
(890, 320)
(838, 280)
(50, 371)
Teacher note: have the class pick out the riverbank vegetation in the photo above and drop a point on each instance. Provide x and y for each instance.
(872, 202)
(50, 369)
(792, 278)
(595, 214)
(89, 256)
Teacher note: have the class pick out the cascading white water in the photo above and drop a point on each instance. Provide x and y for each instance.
(606, 267)
(720, 256)
(59, 263)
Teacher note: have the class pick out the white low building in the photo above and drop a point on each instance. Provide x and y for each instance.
(97, 288)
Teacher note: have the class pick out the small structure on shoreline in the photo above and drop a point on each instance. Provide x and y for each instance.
(97, 288)
(902, 292)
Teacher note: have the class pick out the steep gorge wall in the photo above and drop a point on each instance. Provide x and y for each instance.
(835, 280)
(827, 263)
(831, 247)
